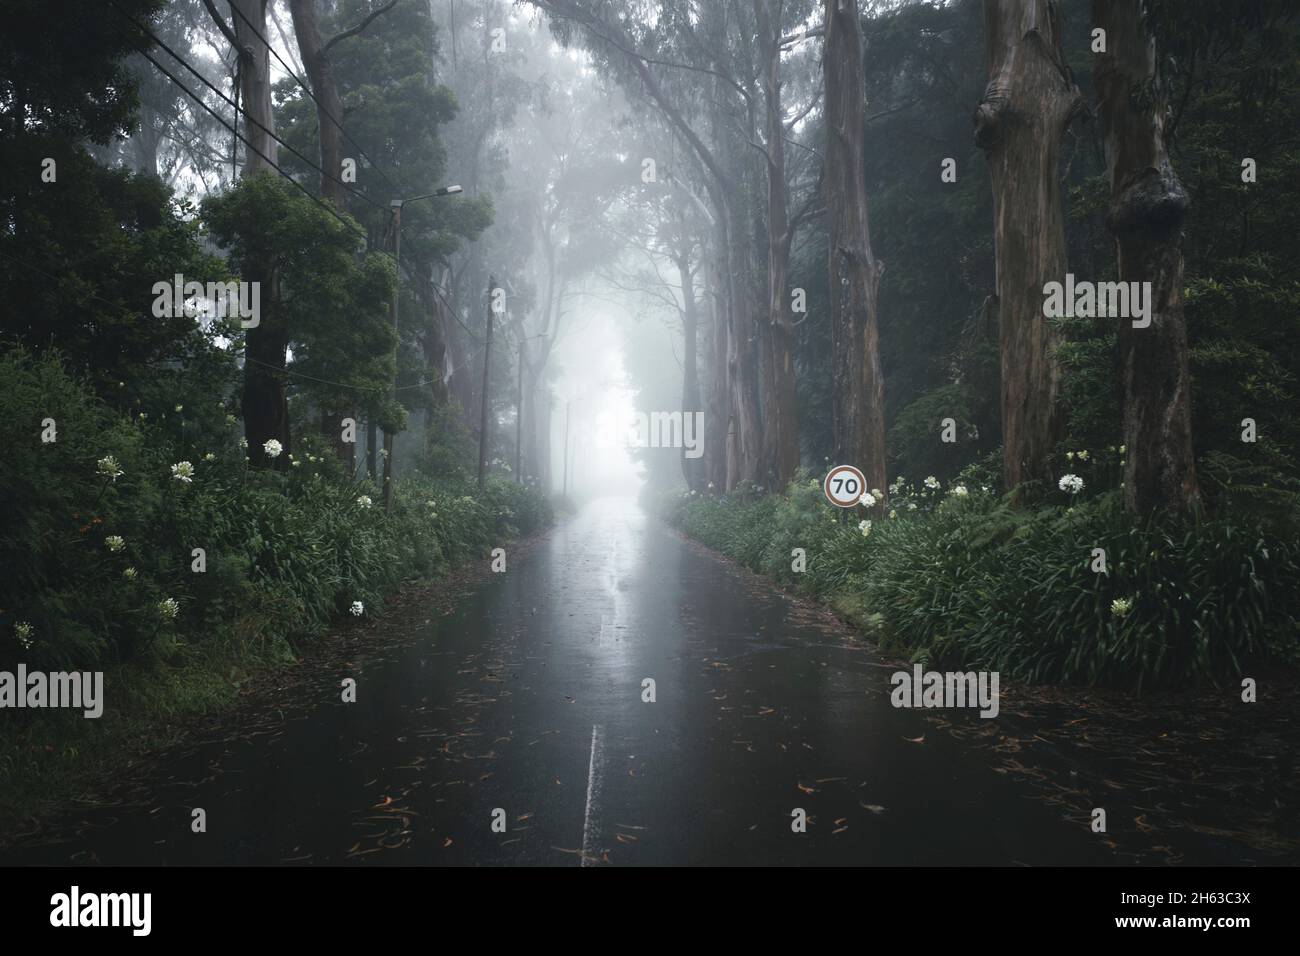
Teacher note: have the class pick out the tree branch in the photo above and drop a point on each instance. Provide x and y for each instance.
(223, 27)
(356, 29)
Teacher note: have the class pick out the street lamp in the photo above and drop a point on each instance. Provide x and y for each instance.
(396, 207)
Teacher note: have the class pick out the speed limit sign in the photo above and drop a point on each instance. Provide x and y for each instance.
(844, 485)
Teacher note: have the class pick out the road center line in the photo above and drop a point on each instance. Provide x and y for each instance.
(594, 769)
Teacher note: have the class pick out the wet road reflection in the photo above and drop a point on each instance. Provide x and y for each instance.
(529, 699)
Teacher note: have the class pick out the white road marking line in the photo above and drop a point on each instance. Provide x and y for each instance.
(594, 770)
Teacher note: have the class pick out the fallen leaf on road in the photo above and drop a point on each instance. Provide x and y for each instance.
(915, 740)
(807, 789)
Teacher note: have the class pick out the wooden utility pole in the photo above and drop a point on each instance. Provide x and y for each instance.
(487, 364)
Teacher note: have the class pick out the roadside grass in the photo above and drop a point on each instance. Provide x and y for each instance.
(960, 578)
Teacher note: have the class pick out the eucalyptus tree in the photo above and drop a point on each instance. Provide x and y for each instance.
(1147, 207)
(1020, 122)
(696, 63)
(858, 384)
(374, 118)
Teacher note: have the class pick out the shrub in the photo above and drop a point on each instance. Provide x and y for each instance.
(974, 583)
(284, 552)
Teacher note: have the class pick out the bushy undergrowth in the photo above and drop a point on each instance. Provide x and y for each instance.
(965, 580)
(100, 528)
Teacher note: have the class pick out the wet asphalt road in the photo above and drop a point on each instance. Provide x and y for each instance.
(528, 698)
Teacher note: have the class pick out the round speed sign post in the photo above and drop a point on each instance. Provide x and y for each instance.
(844, 485)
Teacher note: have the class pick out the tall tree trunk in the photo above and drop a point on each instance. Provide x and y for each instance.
(717, 421)
(1147, 207)
(265, 407)
(692, 468)
(779, 399)
(255, 85)
(858, 386)
(1029, 101)
(744, 357)
(329, 106)
(435, 361)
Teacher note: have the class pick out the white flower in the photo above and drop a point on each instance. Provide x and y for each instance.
(243, 442)
(1120, 607)
(230, 419)
(960, 491)
(23, 632)
(168, 609)
(431, 503)
(364, 501)
(107, 466)
(383, 453)
(180, 408)
(864, 527)
(1083, 456)
(1121, 449)
(911, 506)
(877, 492)
(710, 486)
(868, 500)
(272, 448)
(357, 609)
(296, 464)
(932, 482)
(209, 457)
(1069, 455)
(893, 513)
(115, 542)
(897, 486)
(1071, 483)
(144, 414)
(183, 471)
(129, 574)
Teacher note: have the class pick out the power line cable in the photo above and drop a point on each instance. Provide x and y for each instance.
(247, 115)
(373, 165)
(303, 189)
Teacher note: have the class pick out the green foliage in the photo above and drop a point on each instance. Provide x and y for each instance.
(285, 551)
(915, 442)
(974, 583)
(319, 291)
(61, 68)
(80, 257)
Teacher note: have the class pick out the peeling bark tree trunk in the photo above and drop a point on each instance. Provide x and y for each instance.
(858, 387)
(306, 28)
(265, 407)
(1147, 208)
(779, 398)
(1020, 122)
